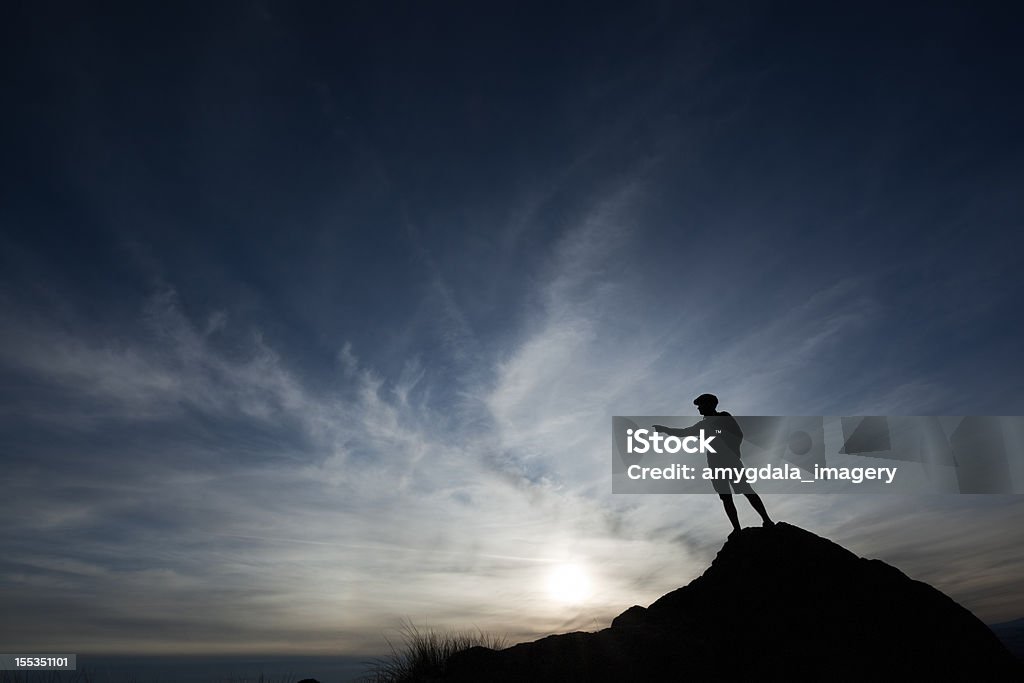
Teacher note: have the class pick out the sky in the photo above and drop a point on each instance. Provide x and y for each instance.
(315, 314)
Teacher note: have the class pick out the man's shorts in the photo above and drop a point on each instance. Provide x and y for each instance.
(729, 485)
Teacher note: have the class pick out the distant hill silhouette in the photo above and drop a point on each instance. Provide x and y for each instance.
(776, 602)
(1011, 634)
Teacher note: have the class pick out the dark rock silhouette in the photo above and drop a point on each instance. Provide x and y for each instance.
(776, 602)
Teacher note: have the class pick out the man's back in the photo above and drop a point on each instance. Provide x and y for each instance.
(728, 435)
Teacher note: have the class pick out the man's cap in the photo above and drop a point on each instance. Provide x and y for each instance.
(704, 399)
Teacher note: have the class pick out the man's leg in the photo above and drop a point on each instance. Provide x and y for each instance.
(755, 501)
(730, 510)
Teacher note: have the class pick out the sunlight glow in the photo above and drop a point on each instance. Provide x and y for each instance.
(569, 584)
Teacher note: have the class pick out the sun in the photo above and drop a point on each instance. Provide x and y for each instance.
(569, 584)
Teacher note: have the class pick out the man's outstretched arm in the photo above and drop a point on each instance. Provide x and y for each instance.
(678, 431)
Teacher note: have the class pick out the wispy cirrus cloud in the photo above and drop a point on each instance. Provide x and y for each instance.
(205, 467)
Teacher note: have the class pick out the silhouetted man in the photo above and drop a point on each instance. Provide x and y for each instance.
(728, 437)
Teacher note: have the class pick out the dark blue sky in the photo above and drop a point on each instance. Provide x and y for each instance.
(403, 261)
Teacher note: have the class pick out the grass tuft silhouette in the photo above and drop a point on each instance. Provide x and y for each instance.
(423, 653)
